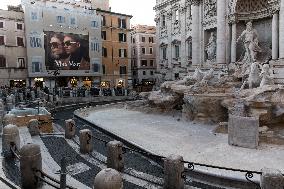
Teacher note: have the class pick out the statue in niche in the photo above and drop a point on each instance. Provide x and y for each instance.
(211, 48)
(266, 76)
(250, 40)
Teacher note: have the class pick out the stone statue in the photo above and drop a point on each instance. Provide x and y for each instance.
(208, 76)
(253, 79)
(266, 75)
(211, 48)
(250, 40)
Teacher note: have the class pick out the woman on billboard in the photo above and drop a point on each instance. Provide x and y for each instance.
(77, 56)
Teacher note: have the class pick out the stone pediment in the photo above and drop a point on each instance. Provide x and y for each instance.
(163, 44)
(175, 41)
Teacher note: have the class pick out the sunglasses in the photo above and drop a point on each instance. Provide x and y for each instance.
(55, 44)
(68, 43)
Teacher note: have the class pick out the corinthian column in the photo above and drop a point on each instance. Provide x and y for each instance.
(275, 38)
(234, 43)
(195, 32)
(221, 32)
(281, 31)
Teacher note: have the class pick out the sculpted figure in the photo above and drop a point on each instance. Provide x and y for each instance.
(250, 40)
(211, 47)
(191, 79)
(253, 79)
(266, 75)
(208, 75)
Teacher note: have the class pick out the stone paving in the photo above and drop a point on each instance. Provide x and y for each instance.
(165, 135)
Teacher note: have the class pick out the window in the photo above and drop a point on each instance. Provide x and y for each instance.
(20, 41)
(21, 63)
(151, 50)
(36, 67)
(176, 51)
(122, 53)
(35, 42)
(163, 21)
(144, 72)
(122, 37)
(176, 15)
(104, 69)
(1, 24)
(94, 24)
(176, 76)
(143, 39)
(134, 51)
(133, 40)
(73, 21)
(143, 50)
(95, 46)
(96, 67)
(143, 62)
(122, 70)
(2, 61)
(2, 40)
(151, 39)
(121, 23)
(151, 72)
(151, 63)
(189, 49)
(34, 16)
(103, 20)
(164, 53)
(60, 19)
(104, 35)
(19, 26)
(104, 52)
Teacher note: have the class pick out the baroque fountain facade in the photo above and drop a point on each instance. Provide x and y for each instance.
(218, 59)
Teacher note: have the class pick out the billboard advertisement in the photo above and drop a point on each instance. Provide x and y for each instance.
(66, 51)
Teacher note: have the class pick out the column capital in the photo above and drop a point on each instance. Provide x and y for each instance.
(195, 2)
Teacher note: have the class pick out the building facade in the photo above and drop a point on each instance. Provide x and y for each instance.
(101, 4)
(204, 33)
(116, 54)
(63, 43)
(143, 50)
(13, 56)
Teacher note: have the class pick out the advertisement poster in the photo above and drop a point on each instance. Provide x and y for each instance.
(66, 51)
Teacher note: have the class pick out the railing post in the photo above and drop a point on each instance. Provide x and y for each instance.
(173, 170)
(271, 179)
(115, 158)
(30, 164)
(9, 119)
(10, 139)
(63, 173)
(70, 129)
(108, 179)
(86, 141)
(33, 127)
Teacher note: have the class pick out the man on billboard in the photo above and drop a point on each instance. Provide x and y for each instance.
(77, 56)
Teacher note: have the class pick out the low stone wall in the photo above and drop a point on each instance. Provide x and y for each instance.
(93, 99)
(45, 122)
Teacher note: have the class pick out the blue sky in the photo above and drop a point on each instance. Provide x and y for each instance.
(142, 10)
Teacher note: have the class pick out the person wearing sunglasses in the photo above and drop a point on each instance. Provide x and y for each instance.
(57, 50)
(77, 56)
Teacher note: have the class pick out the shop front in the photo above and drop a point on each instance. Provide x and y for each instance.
(18, 83)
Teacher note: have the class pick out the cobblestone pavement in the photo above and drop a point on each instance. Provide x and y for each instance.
(139, 172)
